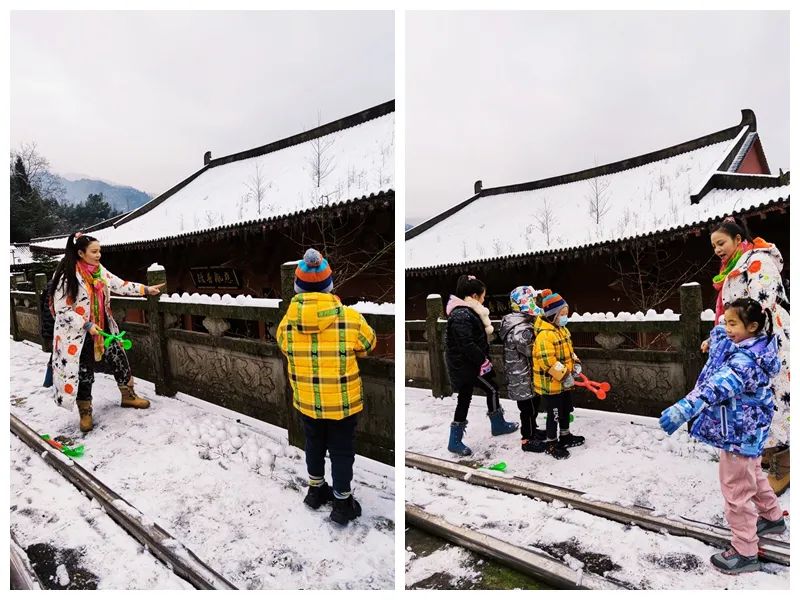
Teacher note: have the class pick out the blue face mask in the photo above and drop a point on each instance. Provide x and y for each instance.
(562, 321)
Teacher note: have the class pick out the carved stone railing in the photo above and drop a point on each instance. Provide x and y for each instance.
(644, 381)
(242, 374)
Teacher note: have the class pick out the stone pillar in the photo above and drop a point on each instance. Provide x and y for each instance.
(691, 307)
(293, 425)
(39, 286)
(158, 339)
(440, 383)
(14, 324)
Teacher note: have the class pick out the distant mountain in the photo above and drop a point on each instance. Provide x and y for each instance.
(121, 197)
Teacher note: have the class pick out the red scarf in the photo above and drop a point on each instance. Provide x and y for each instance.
(95, 286)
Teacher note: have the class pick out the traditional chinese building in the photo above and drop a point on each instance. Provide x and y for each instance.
(229, 226)
(617, 237)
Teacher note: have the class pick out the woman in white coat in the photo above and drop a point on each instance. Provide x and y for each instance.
(751, 268)
(82, 304)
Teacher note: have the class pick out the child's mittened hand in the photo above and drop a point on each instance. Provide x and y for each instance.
(671, 419)
(577, 370)
(486, 367)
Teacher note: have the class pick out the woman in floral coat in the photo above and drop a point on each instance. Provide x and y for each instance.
(751, 268)
(82, 306)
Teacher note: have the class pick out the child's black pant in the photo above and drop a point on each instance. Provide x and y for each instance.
(558, 408)
(528, 409)
(485, 383)
(114, 361)
(338, 438)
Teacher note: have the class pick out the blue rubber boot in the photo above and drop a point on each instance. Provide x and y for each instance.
(499, 425)
(455, 445)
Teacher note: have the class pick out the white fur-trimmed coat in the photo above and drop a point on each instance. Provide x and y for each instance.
(757, 275)
(69, 332)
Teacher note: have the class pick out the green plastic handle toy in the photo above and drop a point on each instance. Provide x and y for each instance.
(119, 337)
(75, 452)
(501, 466)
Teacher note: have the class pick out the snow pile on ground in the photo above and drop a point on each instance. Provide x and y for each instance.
(627, 460)
(224, 299)
(240, 509)
(451, 563)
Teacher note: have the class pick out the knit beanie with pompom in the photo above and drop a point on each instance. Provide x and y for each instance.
(313, 273)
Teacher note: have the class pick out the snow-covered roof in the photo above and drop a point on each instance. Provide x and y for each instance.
(668, 189)
(20, 254)
(354, 156)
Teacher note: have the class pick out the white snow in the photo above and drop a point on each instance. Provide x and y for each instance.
(362, 163)
(627, 460)
(651, 315)
(451, 561)
(154, 267)
(239, 509)
(225, 300)
(642, 200)
(62, 575)
(372, 308)
(707, 315)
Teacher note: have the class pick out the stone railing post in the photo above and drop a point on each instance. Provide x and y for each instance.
(691, 307)
(14, 323)
(158, 339)
(39, 285)
(440, 384)
(293, 426)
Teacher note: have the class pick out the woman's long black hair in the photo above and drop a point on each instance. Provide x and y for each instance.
(65, 271)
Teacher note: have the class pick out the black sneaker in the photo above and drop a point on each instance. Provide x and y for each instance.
(345, 510)
(318, 495)
(570, 441)
(767, 527)
(733, 563)
(556, 451)
(533, 445)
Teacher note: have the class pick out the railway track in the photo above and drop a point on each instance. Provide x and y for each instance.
(177, 557)
(772, 549)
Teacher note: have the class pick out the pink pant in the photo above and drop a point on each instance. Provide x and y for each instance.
(748, 496)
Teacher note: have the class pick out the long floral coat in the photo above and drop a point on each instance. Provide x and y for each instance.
(757, 275)
(69, 332)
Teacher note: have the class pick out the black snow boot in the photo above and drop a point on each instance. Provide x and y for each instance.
(568, 440)
(345, 510)
(318, 495)
(556, 451)
(533, 445)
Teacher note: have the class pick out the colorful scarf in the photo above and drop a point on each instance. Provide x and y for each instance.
(95, 285)
(727, 267)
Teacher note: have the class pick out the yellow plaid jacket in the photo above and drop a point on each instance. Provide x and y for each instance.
(321, 339)
(552, 345)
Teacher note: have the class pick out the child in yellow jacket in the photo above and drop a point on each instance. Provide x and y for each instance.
(554, 368)
(321, 339)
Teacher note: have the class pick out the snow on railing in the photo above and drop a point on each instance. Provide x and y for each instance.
(372, 308)
(224, 300)
(650, 315)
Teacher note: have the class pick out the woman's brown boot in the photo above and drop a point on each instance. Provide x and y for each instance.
(778, 475)
(130, 399)
(85, 412)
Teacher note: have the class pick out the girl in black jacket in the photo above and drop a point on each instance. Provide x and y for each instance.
(467, 356)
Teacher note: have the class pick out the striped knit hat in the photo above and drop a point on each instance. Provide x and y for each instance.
(313, 273)
(552, 303)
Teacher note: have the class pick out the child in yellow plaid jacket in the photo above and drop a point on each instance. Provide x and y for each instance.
(554, 368)
(321, 339)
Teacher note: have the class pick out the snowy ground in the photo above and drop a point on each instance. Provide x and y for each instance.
(626, 459)
(230, 490)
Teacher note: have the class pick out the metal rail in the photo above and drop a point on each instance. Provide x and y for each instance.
(182, 561)
(23, 577)
(542, 567)
(535, 489)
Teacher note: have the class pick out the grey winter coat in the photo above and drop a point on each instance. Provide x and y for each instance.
(516, 331)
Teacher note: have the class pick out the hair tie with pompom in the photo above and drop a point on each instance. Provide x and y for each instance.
(77, 235)
(729, 220)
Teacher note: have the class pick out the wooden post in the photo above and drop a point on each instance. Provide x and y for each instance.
(14, 324)
(691, 307)
(158, 339)
(440, 384)
(39, 285)
(293, 426)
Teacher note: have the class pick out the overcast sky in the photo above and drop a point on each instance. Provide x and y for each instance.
(137, 98)
(513, 97)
